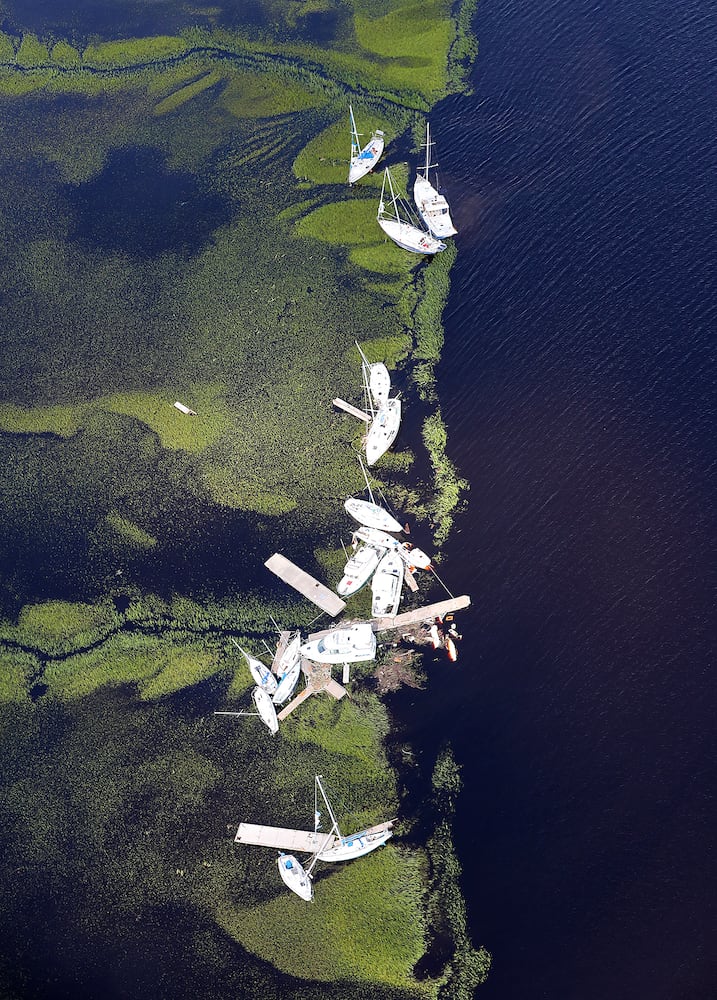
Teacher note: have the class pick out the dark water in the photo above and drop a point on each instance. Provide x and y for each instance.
(577, 387)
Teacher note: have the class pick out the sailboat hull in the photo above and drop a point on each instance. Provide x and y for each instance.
(386, 586)
(371, 515)
(367, 159)
(295, 877)
(383, 430)
(358, 844)
(433, 208)
(266, 710)
(410, 237)
(358, 570)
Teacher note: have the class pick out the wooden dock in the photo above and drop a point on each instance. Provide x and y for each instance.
(353, 410)
(283, 839)
(318, 678)
(426, 613)
(306, 585)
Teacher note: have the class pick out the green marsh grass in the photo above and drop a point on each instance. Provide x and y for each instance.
(17, 668)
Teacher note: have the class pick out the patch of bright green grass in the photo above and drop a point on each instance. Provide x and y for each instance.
(337, 727)
(264, 95)
(131, 51)
(177, 429)
(7, 48)
(131, 532)
(32, 51)
(56, 626)
(367, 916)
(61, 420)
(179, 97)
(16, 671)
(65, 54)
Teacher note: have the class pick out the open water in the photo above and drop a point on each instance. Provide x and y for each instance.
(577, 385)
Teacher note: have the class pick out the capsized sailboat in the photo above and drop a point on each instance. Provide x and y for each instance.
(261, 674)
(356, 844)
(351, 644)
(401, 231)
(430, 203)
(362, 161)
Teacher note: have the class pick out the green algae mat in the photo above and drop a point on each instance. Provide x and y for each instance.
(176, 227)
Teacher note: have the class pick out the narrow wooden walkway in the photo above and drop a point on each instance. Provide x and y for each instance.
(318, 678)
(353, 410)
(284, 839)
(302, 581)
(429, 611)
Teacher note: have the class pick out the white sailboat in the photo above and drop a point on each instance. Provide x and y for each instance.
(386, 586)
(295, 876)
(261, 674)
(376, 537)
(383, 430)
(377, 379)
(356, 844)
(288, 670)
(370, 514)
(343, 645)
(363, 160)
(431, 204)
(266, 710)
(402, 232)
(358, 570)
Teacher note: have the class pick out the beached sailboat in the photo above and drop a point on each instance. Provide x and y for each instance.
(401, 231)
(261, 674)
(356, 844)
(431, 204)
(383, 430)
(358, 570)
(370, 514)
(377, 379)
(362, 161)
(386, 585)
(351, 644)
(265, 709)
(288, 670)
(414, 557)
(295, 876)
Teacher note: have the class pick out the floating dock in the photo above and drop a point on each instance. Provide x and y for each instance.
(301, 841)
(318, 678)
(353, 410)
(426, 613)
(306, 585)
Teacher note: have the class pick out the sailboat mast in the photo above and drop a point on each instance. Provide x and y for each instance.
(428, 151)
(334, 821)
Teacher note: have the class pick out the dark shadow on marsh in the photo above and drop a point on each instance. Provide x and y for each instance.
(139, 207)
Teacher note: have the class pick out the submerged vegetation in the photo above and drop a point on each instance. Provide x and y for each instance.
(176, 226)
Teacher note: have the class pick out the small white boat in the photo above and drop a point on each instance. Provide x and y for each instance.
(295, 876)
(363, 160)
(371, 515)
(377, 379)
(355, 845)
(383, 430)
(432, 205)
(261, 674)
(358, 570)
(414, 557)
(343, 645)
(266, 710)
(376, 537)
(288, 670)
(403, 232)
(386, 586)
